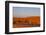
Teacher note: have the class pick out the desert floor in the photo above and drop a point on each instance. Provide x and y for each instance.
(33, 21)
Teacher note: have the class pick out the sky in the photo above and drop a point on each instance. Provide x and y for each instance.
(26, 11)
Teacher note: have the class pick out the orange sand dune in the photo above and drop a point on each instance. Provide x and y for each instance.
(26, 22)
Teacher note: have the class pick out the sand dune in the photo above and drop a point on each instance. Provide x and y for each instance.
(33, 21)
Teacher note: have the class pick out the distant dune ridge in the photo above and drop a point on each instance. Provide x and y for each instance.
(33, 21)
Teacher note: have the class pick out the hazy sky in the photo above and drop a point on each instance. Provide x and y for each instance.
(26, 11)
